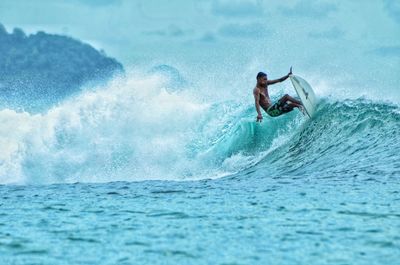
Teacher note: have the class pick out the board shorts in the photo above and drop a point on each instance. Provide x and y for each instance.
(279, 108)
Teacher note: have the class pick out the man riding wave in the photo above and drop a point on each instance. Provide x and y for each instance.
(284, 105)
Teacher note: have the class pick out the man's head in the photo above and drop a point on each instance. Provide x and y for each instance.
(262, 79)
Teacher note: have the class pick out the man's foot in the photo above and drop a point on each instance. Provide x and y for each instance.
(301, 108)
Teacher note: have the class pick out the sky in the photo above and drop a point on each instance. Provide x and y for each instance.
(348, 43)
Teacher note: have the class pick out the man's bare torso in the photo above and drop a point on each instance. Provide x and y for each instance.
(265, 101)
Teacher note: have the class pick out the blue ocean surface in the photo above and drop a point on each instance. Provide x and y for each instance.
(251, 218)
(159, 159)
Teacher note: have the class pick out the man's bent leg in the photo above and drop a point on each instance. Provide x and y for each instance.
(286, 97)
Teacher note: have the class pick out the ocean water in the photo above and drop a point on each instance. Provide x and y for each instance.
(109, 177)
(166, 164)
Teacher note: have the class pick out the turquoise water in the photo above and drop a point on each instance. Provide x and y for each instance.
(327, 194)
(236, 220)
(166, 165)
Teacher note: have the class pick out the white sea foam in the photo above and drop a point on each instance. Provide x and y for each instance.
(131, 129)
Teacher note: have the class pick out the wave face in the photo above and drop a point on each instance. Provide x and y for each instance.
(137, 129)
(355, 138)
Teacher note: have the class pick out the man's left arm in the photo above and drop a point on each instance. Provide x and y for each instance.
(283, 78)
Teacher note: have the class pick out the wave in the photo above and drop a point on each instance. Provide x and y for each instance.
(351, 138)
(137, 128)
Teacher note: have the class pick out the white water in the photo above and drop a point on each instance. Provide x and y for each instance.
(130, 129)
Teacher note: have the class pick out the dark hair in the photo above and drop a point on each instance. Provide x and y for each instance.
(261, 74)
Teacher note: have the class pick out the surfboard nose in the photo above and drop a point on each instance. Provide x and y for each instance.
(305, 93)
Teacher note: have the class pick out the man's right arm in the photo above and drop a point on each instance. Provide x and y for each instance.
(256, 94)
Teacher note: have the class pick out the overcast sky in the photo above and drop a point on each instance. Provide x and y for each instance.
(352, 40)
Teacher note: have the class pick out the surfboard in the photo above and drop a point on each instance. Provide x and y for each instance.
(305, 93)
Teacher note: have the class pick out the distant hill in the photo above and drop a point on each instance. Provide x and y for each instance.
(39, 70)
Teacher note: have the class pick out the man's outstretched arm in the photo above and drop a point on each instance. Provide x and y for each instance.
(283, 78)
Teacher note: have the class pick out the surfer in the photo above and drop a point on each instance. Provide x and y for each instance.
(284, 105)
